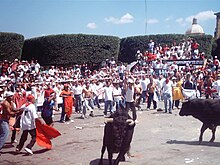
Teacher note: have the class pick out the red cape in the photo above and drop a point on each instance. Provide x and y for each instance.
(44, 134)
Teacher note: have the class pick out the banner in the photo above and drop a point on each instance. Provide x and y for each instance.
(190, 93)
(183, 62)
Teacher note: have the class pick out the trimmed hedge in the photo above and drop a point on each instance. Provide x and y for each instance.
(11, 45)
(69, 49)
(130, 45)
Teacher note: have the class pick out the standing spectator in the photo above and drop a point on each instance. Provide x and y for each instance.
(188, 84)
(52, 71)
(47, 110)
(129, 97)
(194, 49)
(67, 106)
(216, 63)
(77, 91)
(151, 46)
(177, 94)
(151, 87)
(117, 93)
(108, 95)
(121, 70)
(167, 94)
(144, 83)
(97, 88)
(137, 93)
(37, 67)
(48, 90)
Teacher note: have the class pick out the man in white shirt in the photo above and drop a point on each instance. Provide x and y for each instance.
(117, 94)
(129, 97)
(77, 91)
(108, 95)
(167, 94)
(144, 82)
(27, 123)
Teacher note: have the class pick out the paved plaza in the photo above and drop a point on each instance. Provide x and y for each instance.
(159, 139)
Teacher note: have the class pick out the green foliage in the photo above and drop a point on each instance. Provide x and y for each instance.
(130, 45)
(10, 46)
(69, 49)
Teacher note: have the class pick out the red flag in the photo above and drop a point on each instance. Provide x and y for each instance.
(44, 134)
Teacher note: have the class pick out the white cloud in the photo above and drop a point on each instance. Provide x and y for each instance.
(152, 21)
(168, 18)
(91, 25)
(181, 21)
(127, 18)
(201, 16)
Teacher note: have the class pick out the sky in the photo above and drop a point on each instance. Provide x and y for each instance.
(121, 18)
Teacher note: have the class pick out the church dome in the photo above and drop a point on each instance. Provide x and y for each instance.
(195, 29)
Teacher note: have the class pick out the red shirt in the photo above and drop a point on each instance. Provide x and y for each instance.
(47, 92)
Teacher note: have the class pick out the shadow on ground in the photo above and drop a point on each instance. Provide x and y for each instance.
(96, 162)
(204, 143)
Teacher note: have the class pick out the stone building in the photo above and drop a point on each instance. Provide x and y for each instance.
(195, 29)
(217, 29)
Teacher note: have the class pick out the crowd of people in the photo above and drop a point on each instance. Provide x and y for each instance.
(26, 87)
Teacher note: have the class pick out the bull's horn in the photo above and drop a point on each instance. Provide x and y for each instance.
(108, 120)
(130, 122)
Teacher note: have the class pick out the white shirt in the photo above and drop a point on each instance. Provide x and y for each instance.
(167, 87)
(77, 90)
(108, 92)
(129, 96)
(144, 84)
(117, 92)
(28, 118)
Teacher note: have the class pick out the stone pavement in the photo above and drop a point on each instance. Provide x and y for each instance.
(159, 139)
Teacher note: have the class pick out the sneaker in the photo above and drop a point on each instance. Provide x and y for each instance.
(28, 151)
(170, 112)
(148, 109)
(92, 115)
(83, 117)
(62, 121)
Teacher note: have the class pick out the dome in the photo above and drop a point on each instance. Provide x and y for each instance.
(195, 28)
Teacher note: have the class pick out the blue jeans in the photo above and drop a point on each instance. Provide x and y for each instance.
(87, 104)
(108, 105)
(96, 101)
(78, 103)
(118, 104)
(4, 131)
(144, 96)
(167, 99)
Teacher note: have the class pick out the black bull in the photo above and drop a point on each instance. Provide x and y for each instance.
(118, 133)
(206, 110)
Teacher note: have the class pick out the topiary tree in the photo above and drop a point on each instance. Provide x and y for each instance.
(130, 45)
(69, 49)
(11, 45)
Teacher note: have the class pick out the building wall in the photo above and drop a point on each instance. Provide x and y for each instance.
(217, 29)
